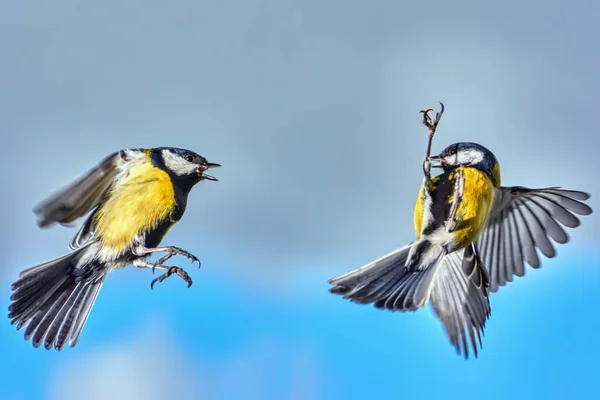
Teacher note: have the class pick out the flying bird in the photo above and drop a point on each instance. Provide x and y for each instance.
(133, 197)
(473, 235)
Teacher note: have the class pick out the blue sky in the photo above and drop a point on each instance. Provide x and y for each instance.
(224, 339)
(312, 109)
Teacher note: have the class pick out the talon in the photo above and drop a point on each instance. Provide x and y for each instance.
(426, 118)
(438, 115)
(153, 282)
(173, 270)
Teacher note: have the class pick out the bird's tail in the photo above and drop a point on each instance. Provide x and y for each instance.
(408, 278)
(53, 300)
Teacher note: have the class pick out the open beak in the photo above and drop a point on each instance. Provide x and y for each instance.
(202, 169)
(437, 161)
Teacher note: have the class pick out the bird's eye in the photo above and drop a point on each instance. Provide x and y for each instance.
(453, 151)
(189, 158)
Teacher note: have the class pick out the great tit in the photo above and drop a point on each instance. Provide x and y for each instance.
(472, 236)
(133, 197)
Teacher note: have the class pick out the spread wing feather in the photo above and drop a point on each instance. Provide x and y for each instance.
(82, 196)
(523, 221)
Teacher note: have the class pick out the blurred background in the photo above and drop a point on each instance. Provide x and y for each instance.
(312, 109)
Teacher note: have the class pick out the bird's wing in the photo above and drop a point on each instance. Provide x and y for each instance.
(459, 297)
(85, 234)
(83, 195)
(521, 221)
(456, 285)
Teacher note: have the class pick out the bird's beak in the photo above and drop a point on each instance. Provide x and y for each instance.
(203, 168)
(437, 161)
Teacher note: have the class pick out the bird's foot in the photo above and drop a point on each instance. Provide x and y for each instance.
(172, 251)
(427, 168)
(426, 118)
(428, 122)
(452, 224)
(170, 271)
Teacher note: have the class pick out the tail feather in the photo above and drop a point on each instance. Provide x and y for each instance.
(40, 323)
(81, 315)
(61, 318)
(52, 301)
(460, 299)
(408, 278)
(29, 298)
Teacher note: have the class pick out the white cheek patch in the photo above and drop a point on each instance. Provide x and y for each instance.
(177, 164)
(470, 156)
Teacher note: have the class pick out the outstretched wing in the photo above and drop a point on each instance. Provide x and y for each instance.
(523, 220)
(82, 196)
(455, 283)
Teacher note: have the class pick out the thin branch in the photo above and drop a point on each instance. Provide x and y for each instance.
(432, 126)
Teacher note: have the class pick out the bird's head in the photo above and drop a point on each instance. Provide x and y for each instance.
(469, 155)
(186, 165)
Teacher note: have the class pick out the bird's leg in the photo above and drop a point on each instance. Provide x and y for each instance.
(432, 126)
(459, 187)
(170, 271)
(171, 251)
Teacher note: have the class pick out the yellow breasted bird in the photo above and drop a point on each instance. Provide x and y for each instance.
(472, 236)
(133, 197)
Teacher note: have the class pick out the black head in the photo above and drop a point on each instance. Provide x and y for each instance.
(184, 164)
(468, 154)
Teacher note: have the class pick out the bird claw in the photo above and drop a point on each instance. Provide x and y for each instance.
(426, 118)
(173, 270)
(452, 224)
(427, 167)
(172, 251)
(428, 122)
(177, 250)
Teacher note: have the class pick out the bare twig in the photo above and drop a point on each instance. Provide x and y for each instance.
(432, 126)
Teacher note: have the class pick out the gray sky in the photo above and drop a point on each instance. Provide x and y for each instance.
(311, 107)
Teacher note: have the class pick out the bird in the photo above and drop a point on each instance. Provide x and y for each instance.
(131, 199)
(473, 235)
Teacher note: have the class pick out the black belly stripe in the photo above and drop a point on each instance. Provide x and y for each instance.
(154, 236)
(440, 206)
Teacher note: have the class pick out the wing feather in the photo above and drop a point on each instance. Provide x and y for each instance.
(523, 221)
(82, 196)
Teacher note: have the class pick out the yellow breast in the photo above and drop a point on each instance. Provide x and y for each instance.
(476, 204)
(144, 198)
(418, 214)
